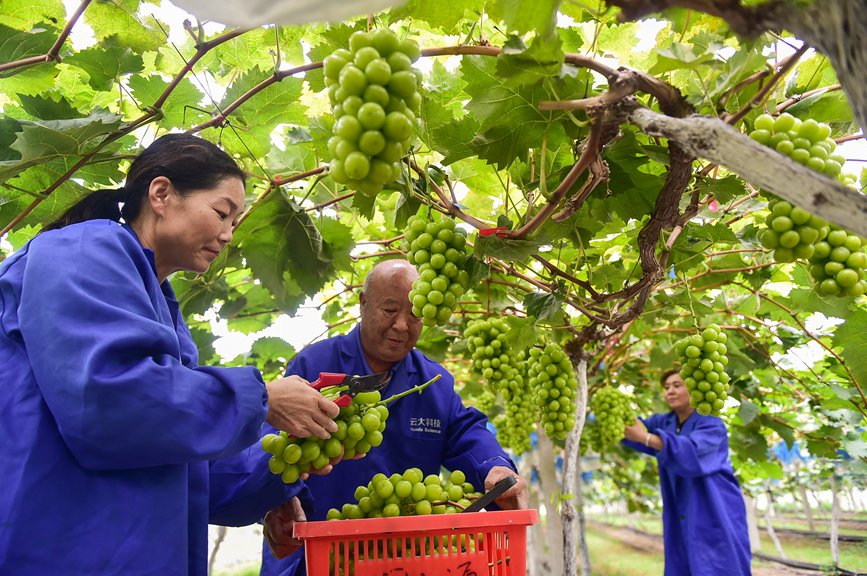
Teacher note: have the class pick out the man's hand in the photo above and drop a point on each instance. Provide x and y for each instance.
(277, 528)
(637, 432)
(300, 410)
(516, 497)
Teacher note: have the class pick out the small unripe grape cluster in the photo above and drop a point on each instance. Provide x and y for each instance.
(837, 264)
(374, 96)
(439, 252)
(408, 494)
(519, 418)
(486, 401)
(703, 357)
(554, 385)
(500, 366)
(613, 413)
(806, 142)
(359, 429)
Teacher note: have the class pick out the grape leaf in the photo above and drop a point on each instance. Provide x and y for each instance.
(364, 205)
(104, 65)
(48, 107)
(543, 305)
(849, 336)
(539, 16)
(434, 342)
(522, 332)
(723, 189)
(148, 89)
(443, 15)
(44, 141)
(504, 248)
(119, 24)
(510, 120)
(204, 340)
(286, 251)
(24, 14)
(442, 102)
(830, 107)
(273, 348)
(679, 56)
(16, 45)
(277, 104)
(519, 64)
(407, 205)
(785, 430)
(747, 411)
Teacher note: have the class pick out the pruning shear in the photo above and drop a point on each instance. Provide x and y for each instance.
(355, 384)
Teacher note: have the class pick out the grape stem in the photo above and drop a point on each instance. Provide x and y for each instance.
(446, 503)
(689, 297)
(418, 389)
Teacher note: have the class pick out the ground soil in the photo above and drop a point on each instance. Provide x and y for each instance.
(653, 545)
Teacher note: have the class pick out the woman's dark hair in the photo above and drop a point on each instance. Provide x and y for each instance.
(190, 162)
(667, 374)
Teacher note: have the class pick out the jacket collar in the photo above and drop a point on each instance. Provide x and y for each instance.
(166, 288)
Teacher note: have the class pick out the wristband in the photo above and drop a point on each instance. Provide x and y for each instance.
(647, 440)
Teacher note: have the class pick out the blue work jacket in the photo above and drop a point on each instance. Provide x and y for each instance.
(116, 447)
(703, 515)
(426, 430)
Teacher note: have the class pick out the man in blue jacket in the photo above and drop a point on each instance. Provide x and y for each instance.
(703, 515)
(426, 430)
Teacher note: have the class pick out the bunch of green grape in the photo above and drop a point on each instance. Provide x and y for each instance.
(503, 370)
(519, 418)
(792, 232)
(359, 428)
(837, 264)
(552, 380)
(374, 96)
(703, 357)
(408, 494)
(439, 252)
(613, 413)
(806, 142)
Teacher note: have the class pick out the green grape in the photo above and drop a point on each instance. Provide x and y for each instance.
(373, 92)
(838, 265)
(441, 282)
(554, 385)
(836, 257)
(707, 386)
(408, 494)
(359, 429)
(613, 413)
(503, 372)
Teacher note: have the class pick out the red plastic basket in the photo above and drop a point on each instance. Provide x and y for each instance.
(471, 544)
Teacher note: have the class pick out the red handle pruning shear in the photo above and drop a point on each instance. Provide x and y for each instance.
(355, 384)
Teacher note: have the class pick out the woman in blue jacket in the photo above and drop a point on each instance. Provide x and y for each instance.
(118, 449)
(703, 516)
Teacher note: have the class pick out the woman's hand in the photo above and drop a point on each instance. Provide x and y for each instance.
(300, 410)
(277, 528)
(637, 432)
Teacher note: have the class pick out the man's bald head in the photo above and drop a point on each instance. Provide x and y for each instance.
(389, 331)
(389, 273)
